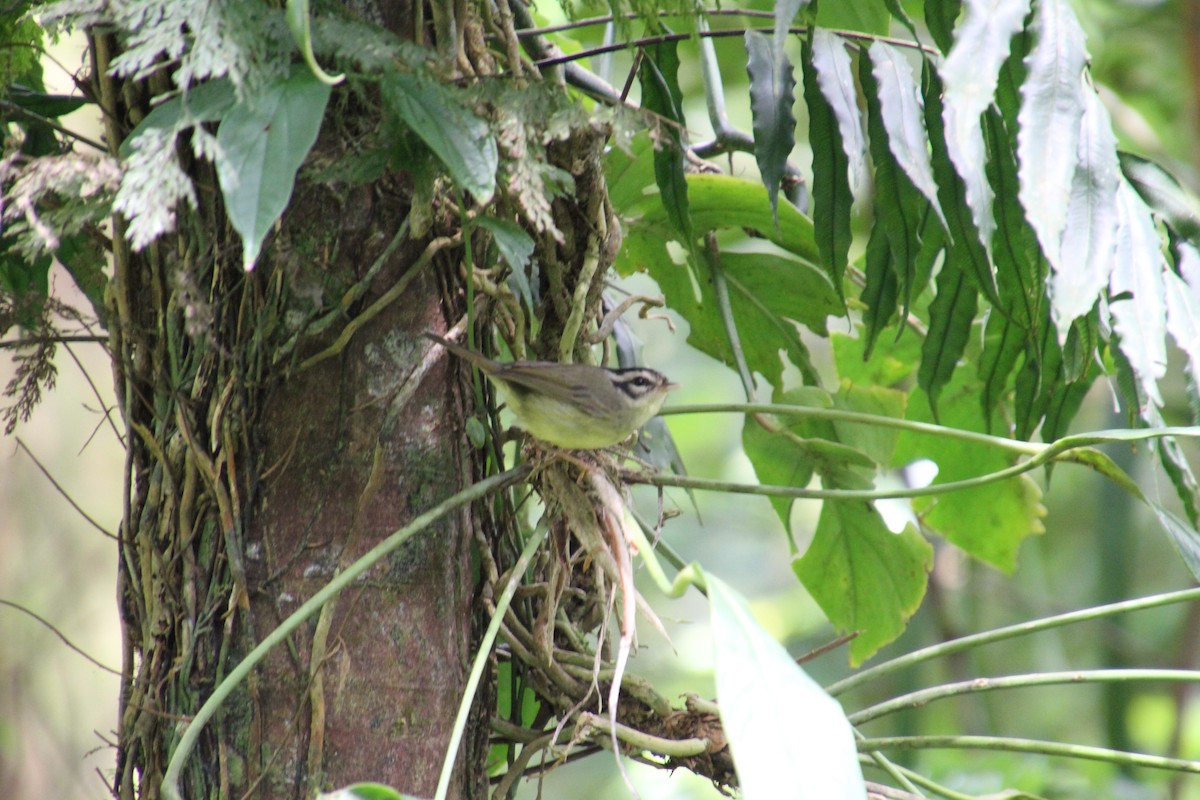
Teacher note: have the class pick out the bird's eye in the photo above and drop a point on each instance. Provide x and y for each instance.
(641, 381)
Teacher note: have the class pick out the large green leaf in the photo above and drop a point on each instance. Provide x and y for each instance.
(767, 290)
(988, 521)
(902, 122)
(893, 364)
(716, 202)
(629, 173)
(723, 201)
(779, 461)
(1020, 266)
(798, 448)
(768, 284)
(1048, 143)
(1040, 376)
(835, 136)
(900, 208)
(442, 118)
(1003, 343)
(876, 441)
(970, 71)
(264, 140)
(951, 317)
(788, 737)
(772, 92)
(205, 102)
(771, 95)
(864, 577)
(658, 74)
(940, 16)
(965, 236)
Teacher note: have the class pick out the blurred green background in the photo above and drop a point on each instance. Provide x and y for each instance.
(57, 710)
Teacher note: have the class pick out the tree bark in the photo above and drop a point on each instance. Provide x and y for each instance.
(257, 472)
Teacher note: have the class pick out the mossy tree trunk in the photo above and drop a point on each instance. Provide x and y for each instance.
(261, 462)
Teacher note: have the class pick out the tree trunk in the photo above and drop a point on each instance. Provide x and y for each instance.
(257, 472)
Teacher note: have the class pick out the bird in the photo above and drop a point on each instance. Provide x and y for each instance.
(572, 406)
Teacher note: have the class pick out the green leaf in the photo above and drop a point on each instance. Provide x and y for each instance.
(893, 363)
(768, 290)
(778, 462)
(772, 93)
(900, 112)
(989, 521)
(724, 201)
(835, 78)
(940, 16)
(264, 140)
(831, 192)
(1003, 343)
(516, 246)
(951, 318)
(970, 71)
(1080, 370)
(876, 441)
(790, 455)
(864, 577)
(660, 95)
(205, 102)
(1020, 265)
(772, 87)
(443, 119)
(762, 279)
(788, 737)
(44, 104)
(965, 238)
(717, 202)
(1039, 379)
(865, 16)
(1100, 462)
(882, 287)
(1048, 142)
(900, 208)
(629, 173)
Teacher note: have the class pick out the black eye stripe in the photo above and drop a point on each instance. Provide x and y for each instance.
(635, 384)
